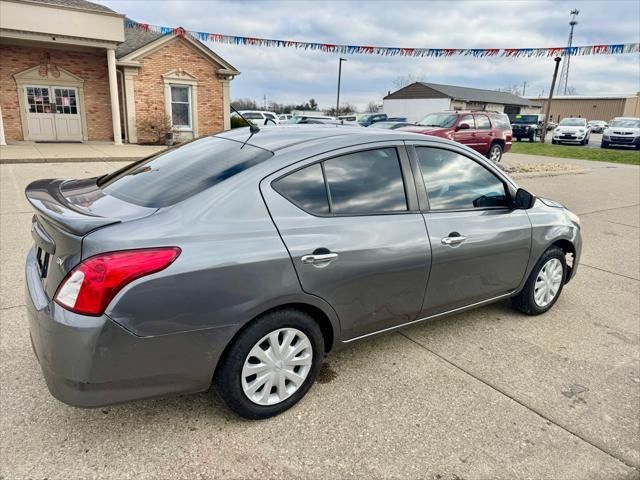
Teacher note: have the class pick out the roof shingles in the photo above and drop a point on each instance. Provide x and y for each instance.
(82, 4)
(467, 94)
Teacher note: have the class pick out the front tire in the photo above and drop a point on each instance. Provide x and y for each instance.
(544, 285)
(604, 145)
(271, 364)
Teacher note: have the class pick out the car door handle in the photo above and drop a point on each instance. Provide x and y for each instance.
(453, 241)
(320, 260)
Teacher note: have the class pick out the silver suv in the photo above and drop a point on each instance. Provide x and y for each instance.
(241, 259)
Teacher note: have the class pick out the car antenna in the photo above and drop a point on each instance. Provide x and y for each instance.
(253, 128)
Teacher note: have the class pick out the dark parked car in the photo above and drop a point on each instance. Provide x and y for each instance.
(241, 259)
(486, 132)
(526, 126)
(371, 118)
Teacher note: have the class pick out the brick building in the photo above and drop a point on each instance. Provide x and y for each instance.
(71, 71)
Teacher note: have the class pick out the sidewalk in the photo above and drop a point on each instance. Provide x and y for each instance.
(28, 152)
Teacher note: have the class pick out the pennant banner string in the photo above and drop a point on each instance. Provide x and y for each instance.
(612, 49)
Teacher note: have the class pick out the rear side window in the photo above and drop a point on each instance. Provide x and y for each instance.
(366, 182)
(501, 122)
(482, 122)
(179, 173)
(306, 189)
(361, 183)
(455, 182)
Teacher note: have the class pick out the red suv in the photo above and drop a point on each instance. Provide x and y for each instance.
(487, 132)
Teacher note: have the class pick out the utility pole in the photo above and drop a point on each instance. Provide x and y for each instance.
(564, 75)
(548, 106)
(339, 78)
(524, 88)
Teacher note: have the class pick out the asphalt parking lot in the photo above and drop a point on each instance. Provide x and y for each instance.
(486, 394)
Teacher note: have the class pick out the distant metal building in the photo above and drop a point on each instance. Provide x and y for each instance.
(420, 98)
(597, 107)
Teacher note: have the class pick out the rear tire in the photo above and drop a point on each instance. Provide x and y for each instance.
(528, 300)
(231, 379)
(495, 152)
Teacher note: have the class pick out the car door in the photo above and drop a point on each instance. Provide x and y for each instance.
(466, 136)
(484, 133)
(356, 237)
(480, 246)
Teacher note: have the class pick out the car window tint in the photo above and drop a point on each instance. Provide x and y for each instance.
(366, 182)
(456, 182)
(482, 122)
(181, 172)
(306, 189)
(468, 119)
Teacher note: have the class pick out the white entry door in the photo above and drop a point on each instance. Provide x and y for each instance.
(40, 116)
(67, 114)
(53, 114)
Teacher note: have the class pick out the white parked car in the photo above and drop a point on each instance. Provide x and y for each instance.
(260, 117)
(622, 131)
(308, 118)
(597, 126)
(284, 117)
(572, 130)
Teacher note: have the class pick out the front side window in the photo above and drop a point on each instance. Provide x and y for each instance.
(181, 106)
(482, 122)
(455, 182)
(468, 119)
(360, 183)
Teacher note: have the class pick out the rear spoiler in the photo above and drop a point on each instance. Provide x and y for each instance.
(48, 201)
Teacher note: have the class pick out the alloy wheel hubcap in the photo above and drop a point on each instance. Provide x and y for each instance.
(495, 154)
(277, 366)
(548, 282)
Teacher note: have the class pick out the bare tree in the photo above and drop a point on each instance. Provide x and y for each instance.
(373, 107)
(345, 109)
(514, 89)
(244, 104)
(404, 80)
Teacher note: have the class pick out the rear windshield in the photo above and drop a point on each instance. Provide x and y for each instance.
(179, 173)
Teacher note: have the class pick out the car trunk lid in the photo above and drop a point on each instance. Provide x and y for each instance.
(65, 212)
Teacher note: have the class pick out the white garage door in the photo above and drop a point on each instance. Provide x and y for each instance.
(53, 113)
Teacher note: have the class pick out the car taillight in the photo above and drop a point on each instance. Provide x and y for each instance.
(90, 286)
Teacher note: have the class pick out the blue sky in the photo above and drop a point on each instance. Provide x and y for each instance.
(293, 76)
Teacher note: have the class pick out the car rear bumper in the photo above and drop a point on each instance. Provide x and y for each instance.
(93, 361)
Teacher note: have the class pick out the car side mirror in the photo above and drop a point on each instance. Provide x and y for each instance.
(523, 200)
(463, 126)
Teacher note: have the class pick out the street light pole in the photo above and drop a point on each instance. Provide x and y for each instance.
(548, 106)
(339, 77)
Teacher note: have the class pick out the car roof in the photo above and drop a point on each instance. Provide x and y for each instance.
(279, 138)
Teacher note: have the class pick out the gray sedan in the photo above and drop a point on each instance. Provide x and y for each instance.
(241, 259)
